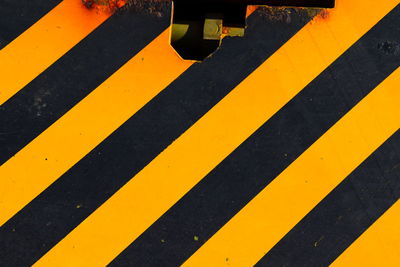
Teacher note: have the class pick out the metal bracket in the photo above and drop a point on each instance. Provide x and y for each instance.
(199, 26)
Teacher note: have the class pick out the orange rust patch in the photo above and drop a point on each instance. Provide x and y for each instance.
(104, 5)
(147, 6)
(251, 9)
(324, 14)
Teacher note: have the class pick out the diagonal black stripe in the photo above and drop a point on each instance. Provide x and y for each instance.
(72, 77)
(17, 16)
(242, 175)
(53, 214)
(337, 221)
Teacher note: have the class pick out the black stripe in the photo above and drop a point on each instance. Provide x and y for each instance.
(17, 16)
(337, 221)
(242, 175)
(72, 77)
(53, 214)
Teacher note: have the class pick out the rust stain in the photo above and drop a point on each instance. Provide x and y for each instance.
(284, 14)
(154, 7)
(104, 5)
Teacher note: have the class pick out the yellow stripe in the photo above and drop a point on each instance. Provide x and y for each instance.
(117, 223)
(62, 145)
(248, 236)
(79, 131)
(378, 246)
(42, 44)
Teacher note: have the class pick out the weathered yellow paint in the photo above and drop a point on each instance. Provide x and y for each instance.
(128, 213)
(378, 246)
(86, 125)
(62, 145)
(251, 233)
(43, 43)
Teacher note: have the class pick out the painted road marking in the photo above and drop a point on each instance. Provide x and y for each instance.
(230, 115)
(248, 236)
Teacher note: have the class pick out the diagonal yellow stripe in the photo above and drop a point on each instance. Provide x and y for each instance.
(378, 246)
(80, 130)
(248, 236)
(86, 125)
(128, 213)
(42, 44)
